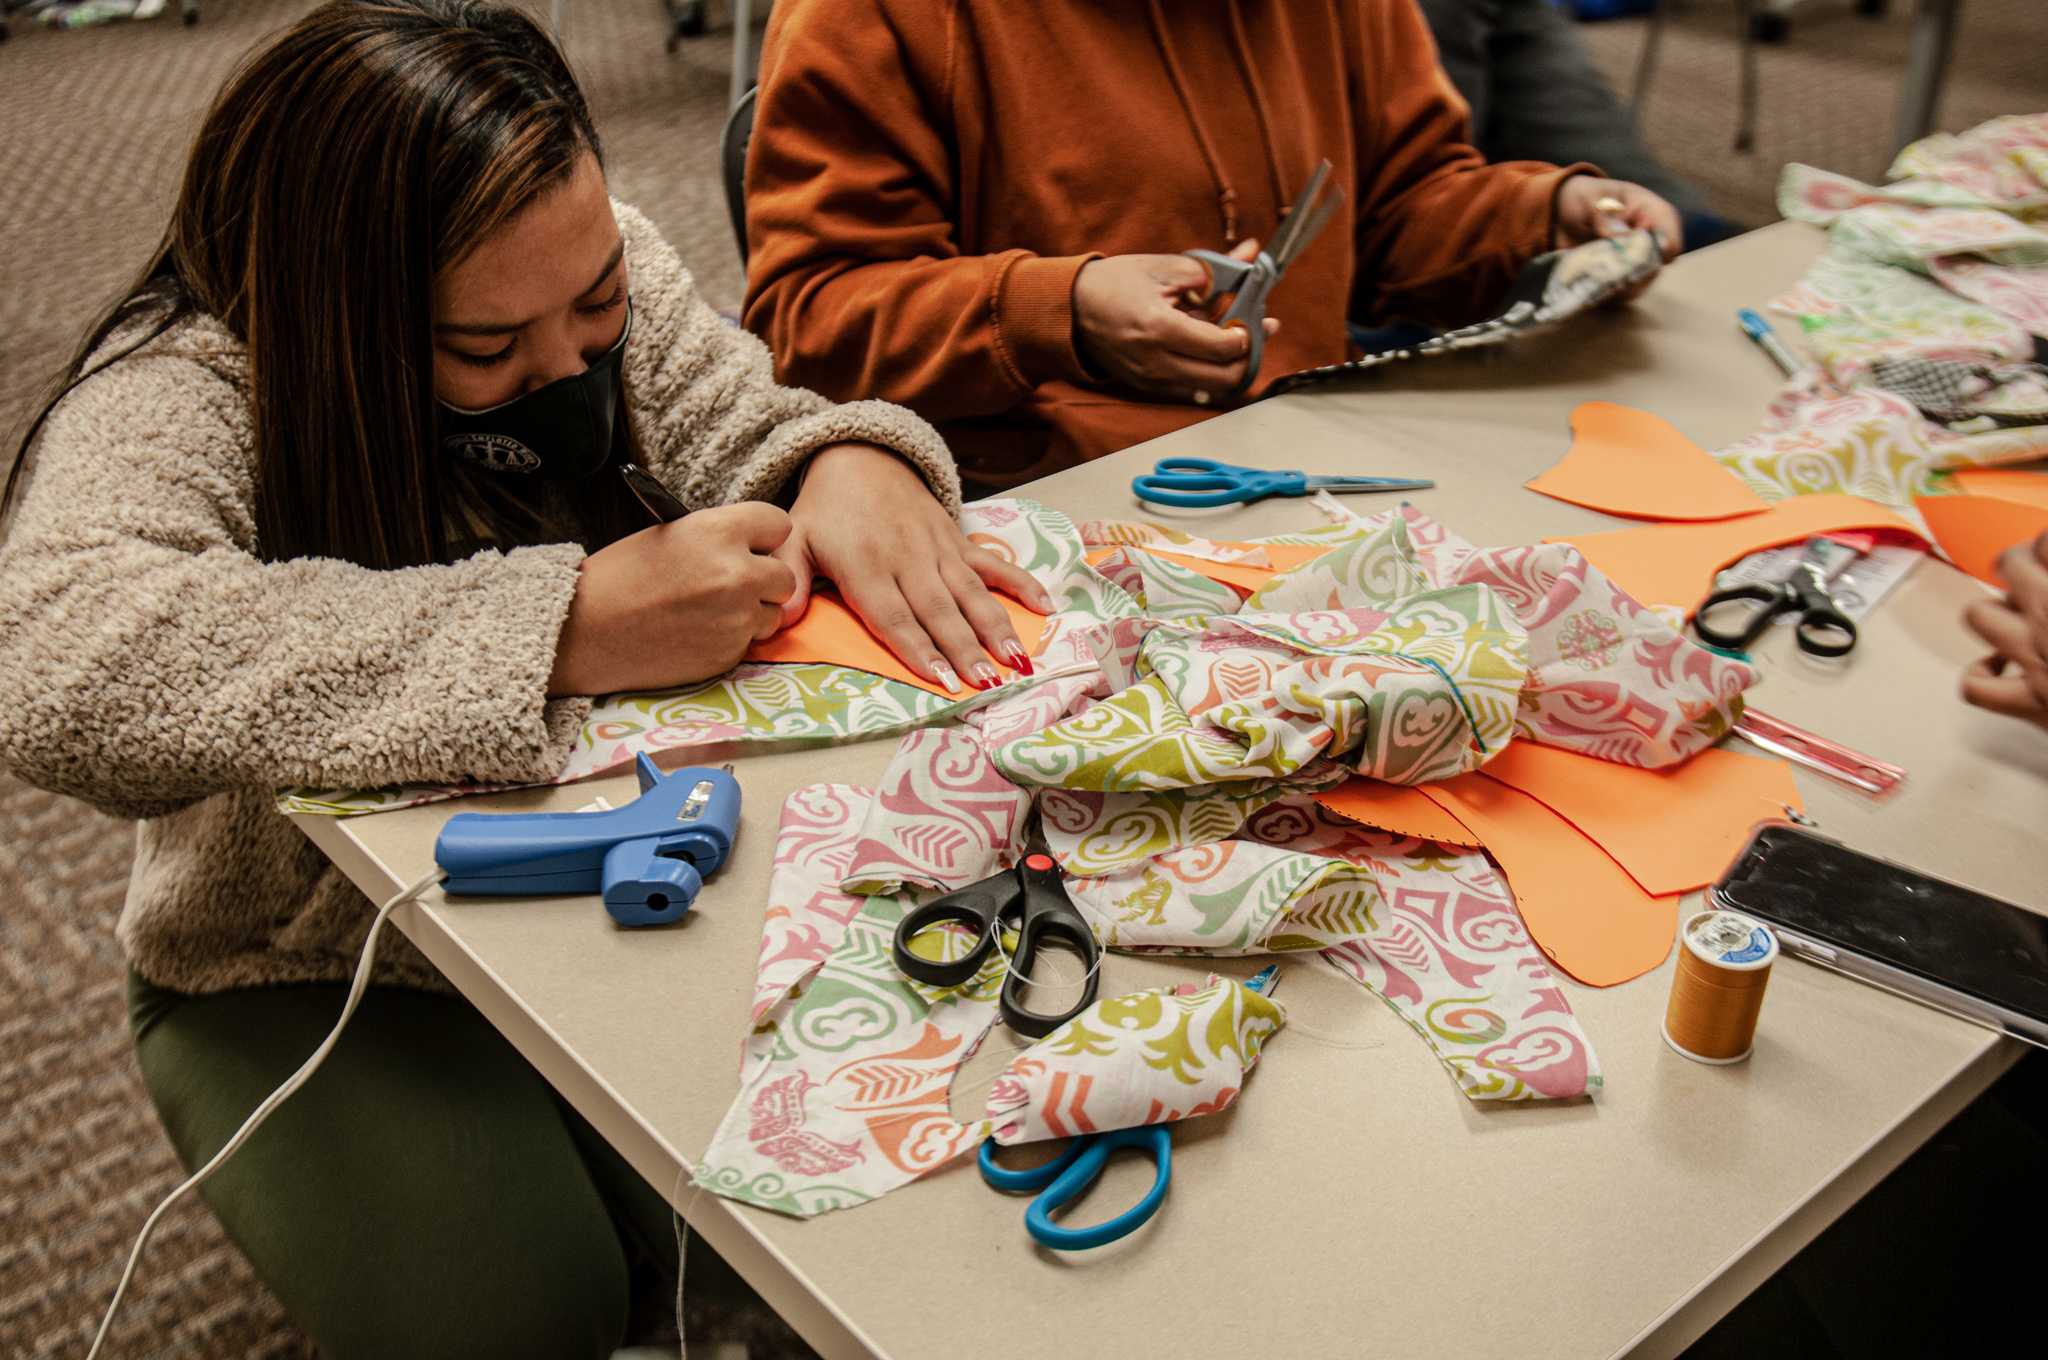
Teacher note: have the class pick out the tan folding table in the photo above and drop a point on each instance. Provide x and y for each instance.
(1353, 1202)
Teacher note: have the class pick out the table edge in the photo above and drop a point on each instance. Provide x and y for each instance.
(778, 1280)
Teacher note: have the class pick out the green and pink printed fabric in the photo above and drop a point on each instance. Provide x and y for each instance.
(1947, 262)
(1170, 756)
(1167, 743)
(846, 1075)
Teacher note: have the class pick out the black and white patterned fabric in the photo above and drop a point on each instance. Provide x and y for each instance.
(1954, 391)
(1550, 289)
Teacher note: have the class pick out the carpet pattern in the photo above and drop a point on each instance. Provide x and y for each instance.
(95, 123)
(1825, 96)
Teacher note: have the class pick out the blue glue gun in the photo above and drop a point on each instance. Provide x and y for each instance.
(649, 858)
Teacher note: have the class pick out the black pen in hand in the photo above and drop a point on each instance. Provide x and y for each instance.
(659, 500)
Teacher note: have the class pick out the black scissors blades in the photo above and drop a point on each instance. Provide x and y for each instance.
(1034, 897)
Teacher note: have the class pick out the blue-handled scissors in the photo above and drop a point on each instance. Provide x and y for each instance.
(1074, 1170)
(1199, 483)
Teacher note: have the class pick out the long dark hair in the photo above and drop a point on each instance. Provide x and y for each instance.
(345, 164)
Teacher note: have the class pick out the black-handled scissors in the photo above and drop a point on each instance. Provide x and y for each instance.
(1738, 615)
(1032, 895)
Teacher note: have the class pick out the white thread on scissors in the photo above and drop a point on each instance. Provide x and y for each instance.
(1009, 965)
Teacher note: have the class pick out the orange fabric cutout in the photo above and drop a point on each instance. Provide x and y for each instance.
(1675, 563)
(1629, 462)
(1397, 808)
(1583, 912)
(1239, 576)
(832, 633)
(1288, 556)
(1671, 830)
(2007, 484)
(1975, 530)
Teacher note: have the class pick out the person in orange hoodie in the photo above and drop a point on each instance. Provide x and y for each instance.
(975, 208)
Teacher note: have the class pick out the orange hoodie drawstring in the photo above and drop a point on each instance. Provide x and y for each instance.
(1226, 196)
(1243, 46)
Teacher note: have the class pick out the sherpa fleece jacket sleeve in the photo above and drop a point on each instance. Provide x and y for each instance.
(712, 420)
(148, 658)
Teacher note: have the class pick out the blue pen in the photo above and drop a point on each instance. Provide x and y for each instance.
(1759, 330)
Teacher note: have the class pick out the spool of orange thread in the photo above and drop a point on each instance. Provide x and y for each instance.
(1724, 963)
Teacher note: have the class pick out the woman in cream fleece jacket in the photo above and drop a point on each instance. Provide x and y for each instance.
(248, 554)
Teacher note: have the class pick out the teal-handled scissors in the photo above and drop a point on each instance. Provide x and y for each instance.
(1200, 483)
(1074, 1170)
(1248, 282)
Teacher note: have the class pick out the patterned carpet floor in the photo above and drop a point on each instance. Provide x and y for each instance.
(94, 124)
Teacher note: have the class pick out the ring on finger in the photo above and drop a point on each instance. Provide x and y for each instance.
(1199, 397)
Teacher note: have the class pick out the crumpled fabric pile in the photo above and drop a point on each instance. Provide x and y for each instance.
(1170, 745)
(1928, 314)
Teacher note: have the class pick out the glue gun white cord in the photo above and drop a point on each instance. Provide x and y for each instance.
(270, 1102)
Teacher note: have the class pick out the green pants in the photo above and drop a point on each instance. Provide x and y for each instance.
(426, 1193)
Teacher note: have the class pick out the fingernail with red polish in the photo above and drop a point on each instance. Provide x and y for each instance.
(984, 676)
(1014, 654)
(943, 673)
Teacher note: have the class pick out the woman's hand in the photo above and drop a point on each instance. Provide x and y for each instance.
(866, 521)
(2013, 680)
(1579, 218)
(676, 603)
(1133, 325)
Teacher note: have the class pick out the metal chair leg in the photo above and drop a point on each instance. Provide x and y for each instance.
(1646, 60)
(1745, 124)
(742, 50)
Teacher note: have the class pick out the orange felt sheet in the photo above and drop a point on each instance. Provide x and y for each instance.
(1237, 575)
(1591, 919)
(2007, 484)
(1975, 530)
(1671, 830)
(1629, 462)
(1397, 808)
(1675, 563)
(831, 632)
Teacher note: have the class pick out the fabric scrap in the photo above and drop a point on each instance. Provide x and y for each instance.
(1975, 531)
(1628, 462)
(1587, 916)
(1672, 830)
(1150, 1057)
(1676, 563)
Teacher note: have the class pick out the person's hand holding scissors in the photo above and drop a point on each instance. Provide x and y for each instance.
(1133, 325)
(2013, 680)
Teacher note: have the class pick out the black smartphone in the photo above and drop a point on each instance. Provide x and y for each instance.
(1934, 941)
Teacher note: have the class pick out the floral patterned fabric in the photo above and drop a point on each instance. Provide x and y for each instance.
(1150, 1057)
(847, 1072)
(1949, 263)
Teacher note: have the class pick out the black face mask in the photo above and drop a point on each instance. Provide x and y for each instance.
(561, 432)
